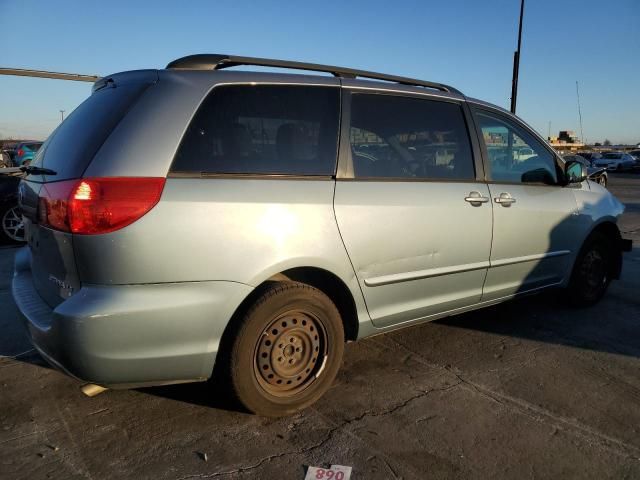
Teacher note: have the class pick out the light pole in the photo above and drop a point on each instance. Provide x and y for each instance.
(62, 116)
(579, 112)
(516, 63)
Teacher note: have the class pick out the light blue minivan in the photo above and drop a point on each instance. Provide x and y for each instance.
(199, 220)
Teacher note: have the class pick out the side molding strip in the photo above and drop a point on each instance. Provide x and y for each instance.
(438, 272)
(432, 272)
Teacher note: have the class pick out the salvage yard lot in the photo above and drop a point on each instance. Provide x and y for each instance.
(527, 389)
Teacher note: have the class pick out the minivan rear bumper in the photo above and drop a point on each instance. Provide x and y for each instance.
(122, 336)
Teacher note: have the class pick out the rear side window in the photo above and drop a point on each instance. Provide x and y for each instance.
(72, 145)
(263, 129)
(403, 137)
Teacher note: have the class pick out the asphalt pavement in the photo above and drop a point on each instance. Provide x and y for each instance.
(526, 389)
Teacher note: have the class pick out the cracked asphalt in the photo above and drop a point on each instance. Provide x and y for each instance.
(527, 389)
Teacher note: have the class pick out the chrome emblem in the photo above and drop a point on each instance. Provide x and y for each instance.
(60, 283)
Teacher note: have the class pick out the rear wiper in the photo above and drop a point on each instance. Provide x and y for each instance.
(33, 170)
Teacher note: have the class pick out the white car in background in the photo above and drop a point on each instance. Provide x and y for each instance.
(615, 161)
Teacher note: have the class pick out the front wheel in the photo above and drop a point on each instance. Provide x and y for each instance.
(592, 272)
(603, 181)
(286, 351)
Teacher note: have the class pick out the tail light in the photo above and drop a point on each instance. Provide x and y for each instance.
(92, 206)
(20, 152)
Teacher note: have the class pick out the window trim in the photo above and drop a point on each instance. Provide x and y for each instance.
(266, 176)
(248, 176)
(346, 171)
(476, 109)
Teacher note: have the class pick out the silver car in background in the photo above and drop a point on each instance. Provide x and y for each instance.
(615, 161)
(197, 221)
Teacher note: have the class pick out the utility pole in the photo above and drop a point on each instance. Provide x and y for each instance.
(62, 116)
(549, 132)
(516, 63)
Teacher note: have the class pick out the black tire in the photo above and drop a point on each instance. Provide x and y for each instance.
(285, 350)
(592, 272)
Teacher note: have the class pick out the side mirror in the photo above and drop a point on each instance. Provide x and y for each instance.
(575, 172)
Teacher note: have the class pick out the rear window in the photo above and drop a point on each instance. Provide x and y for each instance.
(263, 129)
(33, 146)
(72, 145)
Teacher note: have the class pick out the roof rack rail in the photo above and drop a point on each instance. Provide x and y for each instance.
(214, 61)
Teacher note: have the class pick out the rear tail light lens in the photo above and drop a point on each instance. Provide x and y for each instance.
(92, 206)
(20, 152)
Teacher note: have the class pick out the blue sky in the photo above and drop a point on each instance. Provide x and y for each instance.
(468, 44)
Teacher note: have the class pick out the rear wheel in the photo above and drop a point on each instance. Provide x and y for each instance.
(592, 272)
(286, 351)
(12, 224)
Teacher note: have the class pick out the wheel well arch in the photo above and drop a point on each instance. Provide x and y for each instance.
(325, 281)
(610, 230)
(333, 287)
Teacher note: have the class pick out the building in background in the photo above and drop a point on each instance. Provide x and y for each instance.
(567, 140)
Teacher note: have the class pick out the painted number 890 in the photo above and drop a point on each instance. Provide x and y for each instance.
(335, 472)
(322, 474)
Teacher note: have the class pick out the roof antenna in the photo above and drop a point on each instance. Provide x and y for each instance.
(579, 112)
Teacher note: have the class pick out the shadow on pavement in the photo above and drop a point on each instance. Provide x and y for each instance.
(205, 394)
(611, 326)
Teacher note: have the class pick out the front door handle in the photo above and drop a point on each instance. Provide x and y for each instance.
(505, 199)
(475, 199)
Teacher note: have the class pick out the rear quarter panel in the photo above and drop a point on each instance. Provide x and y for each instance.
(239, 230)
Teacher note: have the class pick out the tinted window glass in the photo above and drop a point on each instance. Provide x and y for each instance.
(515, 155)
(72, 145)
(402, 137)
(582, 160)
(265, 129)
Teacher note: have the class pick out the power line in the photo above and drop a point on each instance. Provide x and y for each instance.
(21, 72)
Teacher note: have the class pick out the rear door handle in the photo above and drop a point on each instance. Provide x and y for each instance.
(475, 199)
(505, 199)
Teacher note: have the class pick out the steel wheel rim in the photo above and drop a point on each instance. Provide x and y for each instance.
(290, 353)
(12, 224)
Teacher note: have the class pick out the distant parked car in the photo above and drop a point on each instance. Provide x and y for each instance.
(596, 174)
(636, 155)
(615, 161)
(10, 150)
(5, 159)
(25, 152)
(11, 225)
(591, 156)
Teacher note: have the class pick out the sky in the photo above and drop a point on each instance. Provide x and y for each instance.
(467, 44)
